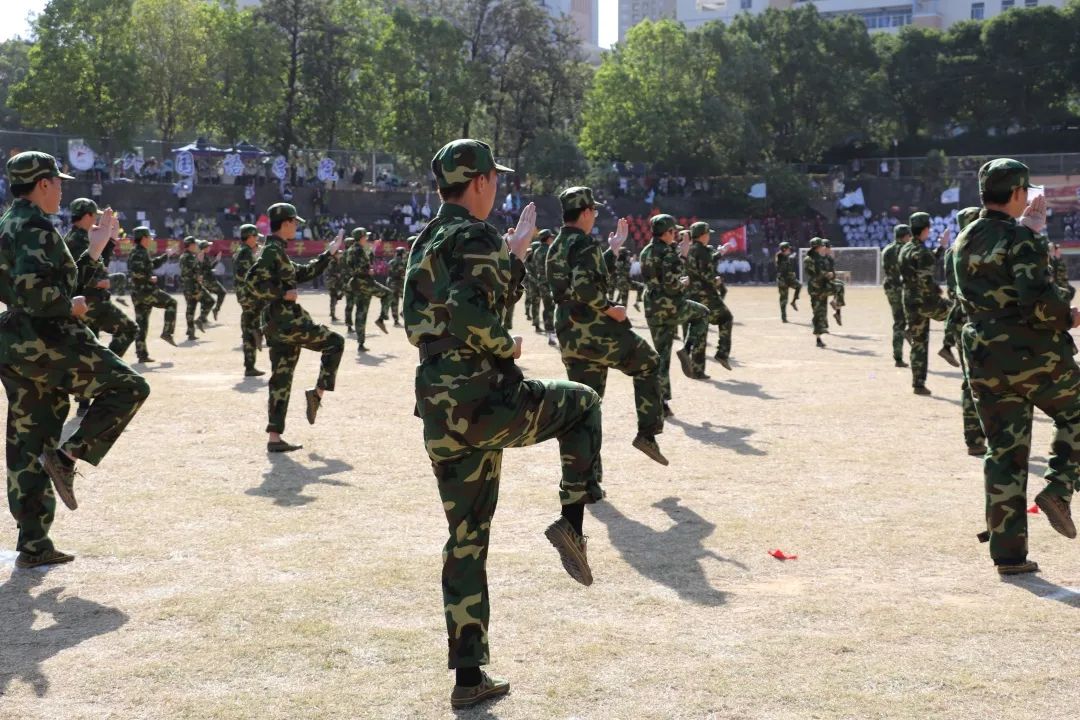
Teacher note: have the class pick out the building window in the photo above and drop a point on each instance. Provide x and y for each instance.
(744, 4)
(1007, 5)
(978, 11)
(1031, 3)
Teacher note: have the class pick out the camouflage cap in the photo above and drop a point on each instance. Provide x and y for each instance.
(1003, 176)
(901, 231)
(190, 240)
(203, 244)
(544, 235)
(140, 232)
(461, 160)
(662, 223)
(283, 211)
(29, 167)
(400, 251)
(358, 233)
(966, 216)
(816, 242)
(825, 242)
(785, 245)
(919, 221)
(82, 206)
(699, 228)
(248, 230)
(577, 198)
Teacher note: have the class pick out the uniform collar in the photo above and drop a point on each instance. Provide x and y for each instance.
(996, 215)
(450, 210)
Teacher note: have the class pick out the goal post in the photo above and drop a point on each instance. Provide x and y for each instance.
(861, 265)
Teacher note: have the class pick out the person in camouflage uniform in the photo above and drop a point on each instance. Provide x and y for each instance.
(974, 438)
(346, 262)
(817, 287)
(666, 306)
(532, 300)
(189, 283)
(1059, 271)
(1018, 355)
(250, 308)
(364, 286)
(474, 402)
(622, 277)
(101, 314)
(213, 291)
(287, 327)
(47, 355)
(894, 290)
(954, 319)
(146, 295)
(835, 285)
(593, 333)
(923, 300)
(396, 281)
(543, 290)
(707, 288)
(335, 281)
(787, 278)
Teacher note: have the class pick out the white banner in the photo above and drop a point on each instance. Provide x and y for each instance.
(757, 190)
(233, 165)
(185, 164)
(280, 167)
(80, 155)
(951, 196)
(853, 199)
(327, 170)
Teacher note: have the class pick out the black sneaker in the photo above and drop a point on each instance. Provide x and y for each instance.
(946, 354)
(280, 446)
(48, 557)
(901, 363)
(837, 316)
(684, 361)
(146, 359)
(977, 451)
(169, 339)
(820, 344)
(313, 402)
(1019, 567)
(253, 372)
(794, 306)
(647, 444)
(489, 687)
(83, 408)
(1057, 512)
(61, 471)
(668, 412)
(381, 324)
(921, 390)
(361, 348)
(571, 547)
(724, 362)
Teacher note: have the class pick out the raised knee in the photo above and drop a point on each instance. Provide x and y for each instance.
(337, 342)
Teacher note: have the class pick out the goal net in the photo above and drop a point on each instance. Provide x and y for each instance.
(855, 265)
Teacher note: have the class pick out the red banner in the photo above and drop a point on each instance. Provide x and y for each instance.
(735, 240)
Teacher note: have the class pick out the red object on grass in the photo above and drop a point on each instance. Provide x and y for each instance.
(781, 555)
(1034, 509)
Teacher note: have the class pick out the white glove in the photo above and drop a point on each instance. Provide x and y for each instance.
(616, 239)
(1034, 217)
(523, 233)
(101, 233)
(335, 245)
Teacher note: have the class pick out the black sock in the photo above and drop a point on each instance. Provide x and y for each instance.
(575, 515)
(468, 677)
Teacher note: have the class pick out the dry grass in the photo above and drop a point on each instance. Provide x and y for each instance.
(215, 582)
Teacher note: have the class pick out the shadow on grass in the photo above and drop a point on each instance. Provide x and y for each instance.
(859, 353)
(24, 648)
(670, 557)
(286, 478)
(737, 387)
(145, 369)
(251, 384)
(371, 359)
(733, 438)
(1045, 589)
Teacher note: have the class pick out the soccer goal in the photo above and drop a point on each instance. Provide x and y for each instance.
(855, 265)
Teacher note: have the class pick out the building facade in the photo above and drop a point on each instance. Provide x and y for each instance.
(631, 12)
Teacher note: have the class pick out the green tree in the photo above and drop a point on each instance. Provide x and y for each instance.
(83, 71)
(554, 160)
(14, 65)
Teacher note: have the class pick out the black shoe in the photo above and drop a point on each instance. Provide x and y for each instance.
(901, 363)
(820, 344)
(201, 325)
(647, 444)
(489, 687)
(381, 324)
(281, 446)
(837, 316)
(61, 471)
(1057, 512)
(571, 547)
(1019, 567)
(794, 306)
(48, 557)
(169, 339)
(947, 354)
(783, 319)
(333, 319)
(397, 324)
(361, 348)
(253, 372)
(146, 359)
(668, 412)
(977, 450)
(192, 337)
(724, 363)
(684, 361)
(702, 376)
(921, 390)
(215, 314)
(313, 402)
(349, 330)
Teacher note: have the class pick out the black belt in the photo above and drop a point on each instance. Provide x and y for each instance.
(1002, 314)
(431, 350)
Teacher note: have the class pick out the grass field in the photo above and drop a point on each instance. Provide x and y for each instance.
(213, 581)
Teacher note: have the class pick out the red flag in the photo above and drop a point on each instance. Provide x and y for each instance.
(781, 555)
(735, 240)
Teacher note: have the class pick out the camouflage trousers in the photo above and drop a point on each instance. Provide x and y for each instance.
(954, 323)
(212, 299)
(622, 293)
(721, 317)
(918, 322)
(249, 333)
(543, 296)
(103, 316)
(899, 323)
(819, 305)
(363, 302)
(38, 390)
(285, 343)
(144, 303)
(191, 305)
(118, 283)
(465, 443)
(530, 297)
(836, 289)
(589, 348)
(335, 297)
(1005, 407)
(350, 308)
(783, 286)
(691, 314)
(396, 293)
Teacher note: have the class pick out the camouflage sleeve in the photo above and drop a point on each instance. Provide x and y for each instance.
(609, 264)
(699, 267)
(34, 274)
(588, 275)
(159, 260)
(517, 280)
(476, 285)
(309, 271)
(1037, 296)
(271, 276)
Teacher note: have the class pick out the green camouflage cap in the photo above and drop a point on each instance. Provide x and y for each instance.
(919, 221)
(785, 245)
(203, 244)
(967, 216)
(400, 251)
(901, 231)
(29, 167)
(462, 160)
(698, 229)
(825, 242)
(190, 240)
(81, 206)
(140, 232)
(283, 211)
(358, 233)
(248, 230)
(816, 242)
(577, 198)
(1003, 176)
(544, 235)
(662, 223)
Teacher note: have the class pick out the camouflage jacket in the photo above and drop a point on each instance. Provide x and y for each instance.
(78, 241)
(661, 268)
(273, 275)
(890, 267)
(917, 271)
(38, 279)
(622, 272)
(701, 269)
(460, 280)
(786, 272)
(206, 269)
(396, 273)
(577, 272)
(538, 265)
(141, 270)
(1059, 272)
(242, 263)
(190, 273)
(814, 270)
(358, 270)
(334, 274)
(530, 278)
(1018, 318)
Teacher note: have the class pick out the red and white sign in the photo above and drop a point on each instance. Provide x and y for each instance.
(734, 241)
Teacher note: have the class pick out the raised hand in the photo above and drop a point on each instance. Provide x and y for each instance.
(617, 238)
(101, 233)
(335, 245)
(1034, 217)
(523, 231)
